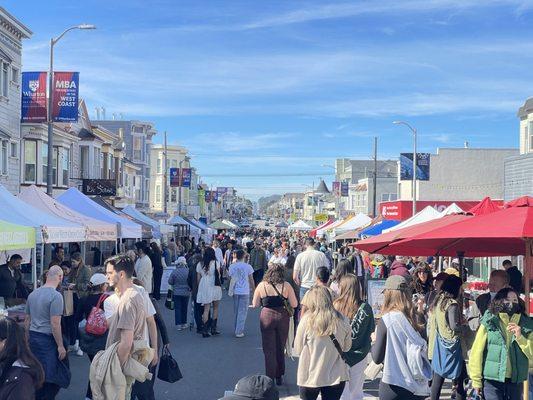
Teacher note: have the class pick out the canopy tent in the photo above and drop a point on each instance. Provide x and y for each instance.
(157, 228)
(300, 226)
(15, 237)
(485, 206)
(354, 223)
(96, 230)
(322, 231)
(452, 209)
(146, 229)
(377, 228)
(313, 232)
(220, 225)
(232, 224)
(207, 230)
(76, 200)
(351, 235)
(48, 228)
(177, 220)
(427, 214)
(282, 224)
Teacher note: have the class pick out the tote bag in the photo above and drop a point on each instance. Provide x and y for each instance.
(447, 358)
(169, 371)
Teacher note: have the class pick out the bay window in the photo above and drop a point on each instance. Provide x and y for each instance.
(137, 148)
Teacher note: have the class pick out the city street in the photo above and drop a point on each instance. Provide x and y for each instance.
(209, 366)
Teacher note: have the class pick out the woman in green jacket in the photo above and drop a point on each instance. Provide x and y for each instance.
(80, 275)
(499, 359)
(361, 319)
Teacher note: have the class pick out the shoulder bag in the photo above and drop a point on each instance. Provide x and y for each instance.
(447, 356)
(96, 321)
(169, 371)
(337, 346)
(286, 303)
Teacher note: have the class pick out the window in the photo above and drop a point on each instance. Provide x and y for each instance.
(84, 156)
(13, 152)
(111, 165)
(137, 148)
(3, 157)
(96, 163)
(173, 195)
(44, 161)
(159, 165)
(30, 159)
(101, 163)
(158, 193)
(65, 162)
(14, 75)
(5, 81)
(54, 166)
(174, 163)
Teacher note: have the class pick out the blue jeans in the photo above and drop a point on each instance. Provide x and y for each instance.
(303, 291)
(240, 308)
(493, 390)
(180, 309)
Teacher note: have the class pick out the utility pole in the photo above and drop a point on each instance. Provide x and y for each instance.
(165, 177)
(375, 179)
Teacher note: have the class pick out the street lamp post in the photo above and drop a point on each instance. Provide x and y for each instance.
(53, 41)
(186, 159)
(413, 130)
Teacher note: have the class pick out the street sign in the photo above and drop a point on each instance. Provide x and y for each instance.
(99, 187)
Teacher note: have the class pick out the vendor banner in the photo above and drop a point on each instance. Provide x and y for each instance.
(344, 189)
(65, 105)
(186, 177)
(336, 188)
(174, 177)
(33, 106)
(422, 166)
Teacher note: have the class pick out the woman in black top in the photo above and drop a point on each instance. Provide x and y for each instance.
(274, 320)
(92, 344)
(21, 373)
(157, 265)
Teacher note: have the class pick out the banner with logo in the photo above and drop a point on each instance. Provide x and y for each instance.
(33, 106)
(207, 195)
(336, 188)
(174, 177)
(186, 177)
(422, 166)
(221, 191)
(65, 106)
(344, 189)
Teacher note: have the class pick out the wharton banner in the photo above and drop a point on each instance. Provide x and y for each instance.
(33, 97)
(174, 177)
(65, 106)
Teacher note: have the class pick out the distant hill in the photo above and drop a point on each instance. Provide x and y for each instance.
(264, 202)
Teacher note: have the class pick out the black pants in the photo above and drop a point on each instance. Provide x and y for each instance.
(48, 391)
(89, 392)
(327, 392)
(158, 275)
(258, 276)
(438, 381)
(144, 390)
(198, 312)
(392, 392)
(493, 390)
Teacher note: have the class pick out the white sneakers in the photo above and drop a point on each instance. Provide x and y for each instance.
(239, 335)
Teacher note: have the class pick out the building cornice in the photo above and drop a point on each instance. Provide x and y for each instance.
(13, 25)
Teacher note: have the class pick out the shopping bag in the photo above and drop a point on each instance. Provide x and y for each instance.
(68, 301)
(372, 370)
(447, 357)
(169, 371)
(96, 321)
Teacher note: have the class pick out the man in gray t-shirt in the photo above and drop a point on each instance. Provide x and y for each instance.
(42, 305)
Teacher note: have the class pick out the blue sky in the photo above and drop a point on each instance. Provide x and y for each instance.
(261, 89)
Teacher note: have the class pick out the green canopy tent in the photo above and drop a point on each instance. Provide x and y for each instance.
(220, 226)
(18, 237)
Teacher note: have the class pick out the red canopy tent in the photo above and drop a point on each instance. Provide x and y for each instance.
(485, 206)
(313, 232)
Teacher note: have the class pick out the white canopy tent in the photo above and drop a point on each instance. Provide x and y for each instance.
(451, 209)
(323, 231)
(177, 220)
(300, 226)
(427, 214)
(352, 224)
(228, 222)
(77, 201)
(158, 228)
(96, 230)
(49, 228)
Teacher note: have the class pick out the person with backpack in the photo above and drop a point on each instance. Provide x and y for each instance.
(92, 339)
(399, 345)
(444, 347)
(503, 348)
(361, 318)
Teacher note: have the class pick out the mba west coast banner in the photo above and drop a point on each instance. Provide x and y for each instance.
(66, 90)
(33, 97)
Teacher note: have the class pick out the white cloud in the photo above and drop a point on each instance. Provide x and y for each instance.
(223, 142)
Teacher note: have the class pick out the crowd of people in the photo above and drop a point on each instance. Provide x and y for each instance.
(314, 306)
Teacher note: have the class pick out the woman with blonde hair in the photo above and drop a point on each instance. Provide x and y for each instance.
(322, 337)
(361, 318)
(400, 347)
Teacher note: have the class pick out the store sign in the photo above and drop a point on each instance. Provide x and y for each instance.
(33, 106)
(422, 166)
(66, 90)
(99, 187)
(344, 189)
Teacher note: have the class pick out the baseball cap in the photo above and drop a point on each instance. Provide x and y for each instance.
(254, 387)
(182, 260)
(98, 279)
(395, 282)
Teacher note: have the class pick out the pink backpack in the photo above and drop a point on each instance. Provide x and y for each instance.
(96, 321)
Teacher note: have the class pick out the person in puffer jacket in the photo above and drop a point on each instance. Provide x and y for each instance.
(399, 267)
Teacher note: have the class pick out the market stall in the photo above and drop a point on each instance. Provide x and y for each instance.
(157, 228)
(300, 226)
(146, 228)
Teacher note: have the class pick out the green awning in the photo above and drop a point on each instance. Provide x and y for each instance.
(15, 237)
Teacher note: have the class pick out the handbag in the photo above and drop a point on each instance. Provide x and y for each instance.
(169, 371)
(96, 321)
(218, 280)
(286, 303)
(169, 302)
(372, 370)
(447, 357)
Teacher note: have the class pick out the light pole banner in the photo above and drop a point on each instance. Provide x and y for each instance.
(33, 97)
(66, 89)
(336, 188)
(422, 166)
(174, 177)
(344, 189)
(186, 177)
